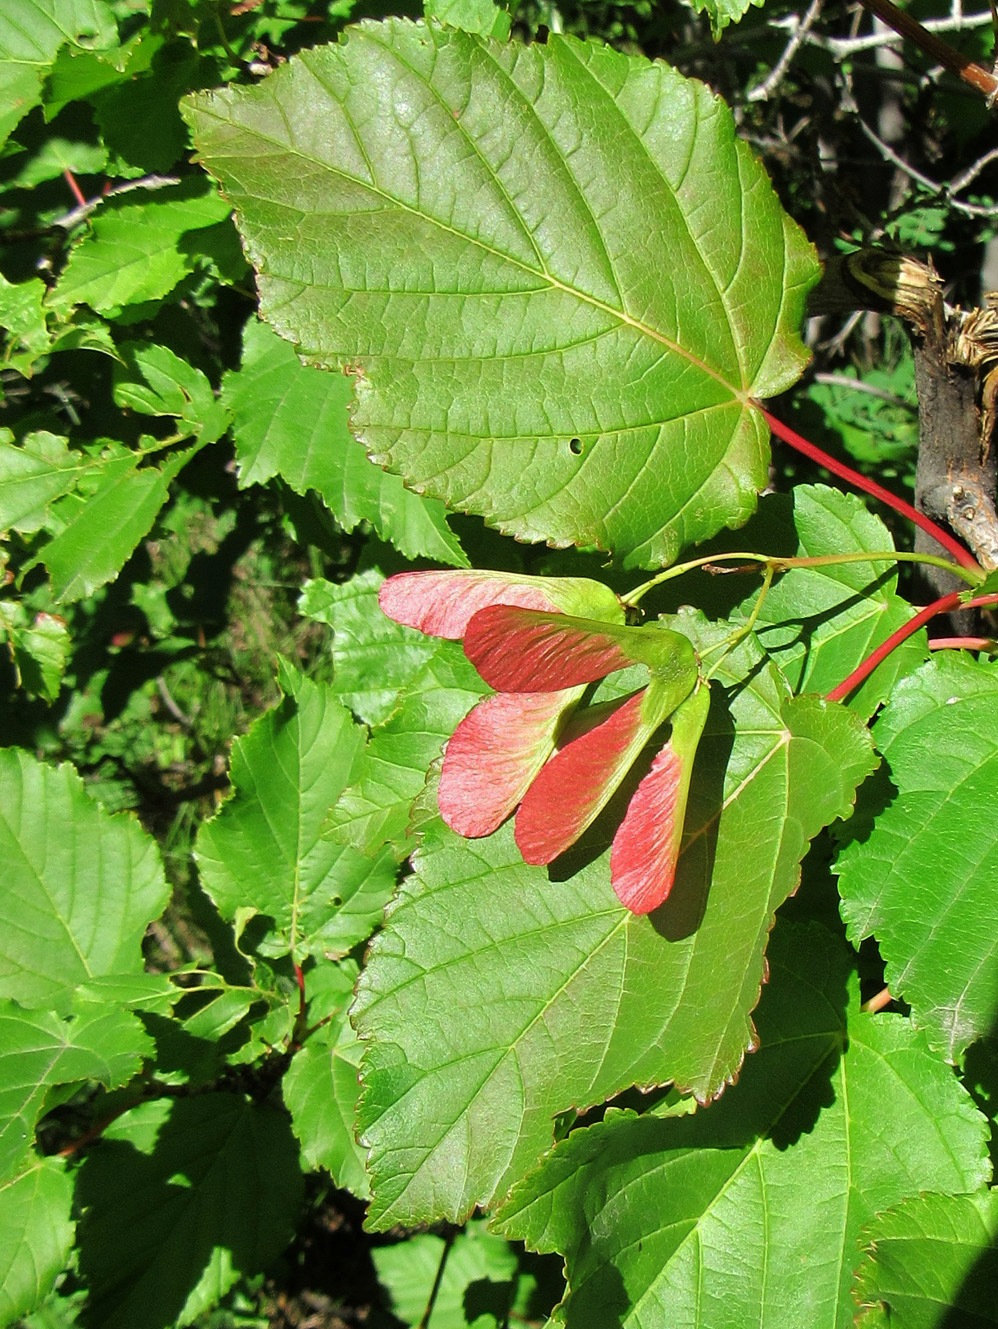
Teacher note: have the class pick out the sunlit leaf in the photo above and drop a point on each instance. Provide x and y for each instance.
(36, 1234)
(748, 1212)
(265, 853)
(39, 1050)
(292, 421)
(919, 870)
(581, 998)
(80, 886)
(558, 276)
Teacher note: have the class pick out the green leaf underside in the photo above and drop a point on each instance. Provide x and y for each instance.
(585, 999)
(80, 886)
(930, 1259)
(265, 850)
(748, 1212)
(291, 420)
(180, 1199)
(36, 1234)
(921, 877)
(558, 276)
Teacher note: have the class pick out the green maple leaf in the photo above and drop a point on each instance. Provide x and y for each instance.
(557, 275)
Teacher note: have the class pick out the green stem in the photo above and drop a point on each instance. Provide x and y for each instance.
(727, 646)
(972, 576)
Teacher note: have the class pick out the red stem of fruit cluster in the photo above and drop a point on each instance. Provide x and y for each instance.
(962, 644)
(944, 605)
(868, 486)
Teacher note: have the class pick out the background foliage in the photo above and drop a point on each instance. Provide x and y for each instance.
(216, 829)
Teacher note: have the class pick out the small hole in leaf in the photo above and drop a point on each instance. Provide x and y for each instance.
(575, 447)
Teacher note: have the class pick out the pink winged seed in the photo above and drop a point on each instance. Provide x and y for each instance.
(646, 847)
(494, 754)
(441, 603)
(521, 650)
(576, 784)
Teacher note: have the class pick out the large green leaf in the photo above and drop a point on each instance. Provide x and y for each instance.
(80, 886)
(748, 1212)
(36, 1233)
(39, 1050)
(180, 1199)
(498, 995)
(291, 420)
(931, 1263)
(920, 869)
(264, 854)
(557, 275)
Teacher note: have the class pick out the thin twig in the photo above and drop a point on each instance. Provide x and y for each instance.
(842, 47)
(166, 697)
(941, 189)
(844, 381)
(797, 37)
(973, 74)
(70, 219)
(964, 178)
